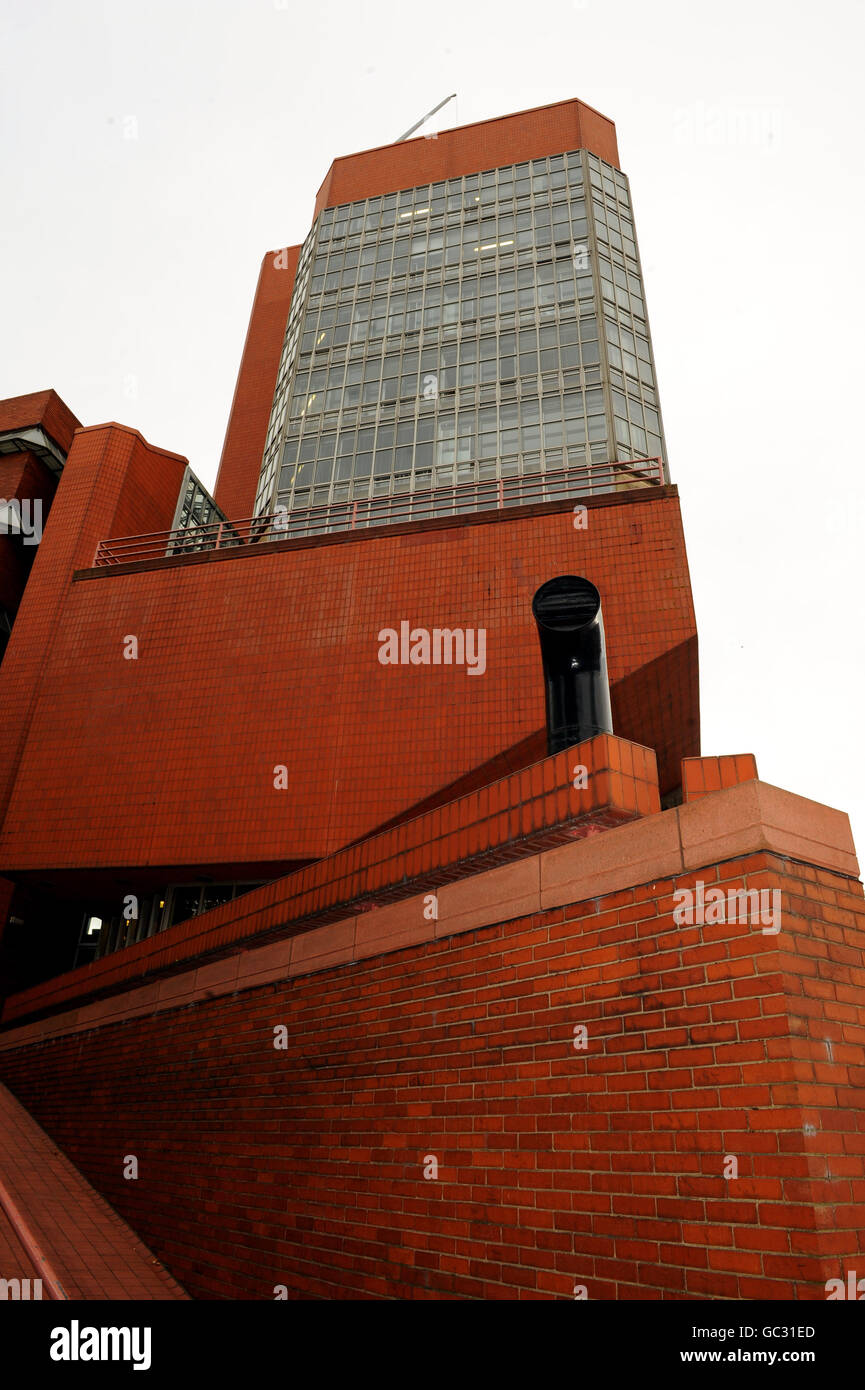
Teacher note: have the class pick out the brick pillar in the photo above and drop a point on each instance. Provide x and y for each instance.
(114, 484)
(237, 478)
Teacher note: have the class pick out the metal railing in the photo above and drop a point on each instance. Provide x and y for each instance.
(462, 498)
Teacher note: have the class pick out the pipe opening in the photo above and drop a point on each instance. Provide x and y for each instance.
(567, 610)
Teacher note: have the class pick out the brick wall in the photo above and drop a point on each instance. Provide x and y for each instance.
(534, 134)
(240, 463)
(513, 817)
(126, 764)
(44, 409)
(602, 1167)
(114, 483)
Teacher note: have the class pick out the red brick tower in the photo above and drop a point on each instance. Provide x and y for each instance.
(439, 1014)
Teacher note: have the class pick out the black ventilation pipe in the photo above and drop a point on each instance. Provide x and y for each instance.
(567, 610)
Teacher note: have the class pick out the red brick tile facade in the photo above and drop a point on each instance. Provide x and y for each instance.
(242, 451)
(43, 409)
(574, 794)
(705, 1138)
(126, 763)
(702, 776)
(54, 1225)
(545, 130)
(113, 484)
(465, 1044)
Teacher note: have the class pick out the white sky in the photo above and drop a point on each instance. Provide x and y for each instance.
(128, 265)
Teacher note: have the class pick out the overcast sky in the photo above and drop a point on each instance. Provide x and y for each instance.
(152, 152)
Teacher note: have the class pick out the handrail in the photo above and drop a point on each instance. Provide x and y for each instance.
(30, 1243)
(360, 513)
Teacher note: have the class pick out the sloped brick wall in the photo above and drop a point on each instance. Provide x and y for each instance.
(557, 1167)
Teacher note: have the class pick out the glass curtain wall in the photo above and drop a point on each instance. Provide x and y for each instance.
(486, 327)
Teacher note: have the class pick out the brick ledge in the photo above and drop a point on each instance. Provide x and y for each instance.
(728, 824)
